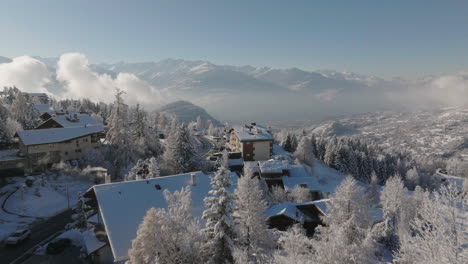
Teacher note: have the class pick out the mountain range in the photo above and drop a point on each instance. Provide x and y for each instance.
(266, 94)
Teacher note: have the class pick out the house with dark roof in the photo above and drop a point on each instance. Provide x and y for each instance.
(308, 214)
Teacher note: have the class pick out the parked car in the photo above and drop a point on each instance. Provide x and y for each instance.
(18, 236)
(57, 246)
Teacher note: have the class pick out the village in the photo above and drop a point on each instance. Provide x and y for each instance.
(64, 136)
(55, 209)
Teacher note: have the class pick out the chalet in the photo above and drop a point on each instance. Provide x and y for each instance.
(254, 142)
(69, 120)
(44, 147)
(134, 199)
(308, 214)
(38, 97)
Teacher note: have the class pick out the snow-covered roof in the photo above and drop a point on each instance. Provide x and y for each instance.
(236, 162)
(252, 165)
(54, 135)
(288, 209)
(273, 166)
(81, 120)
(256, 133)
(91, 242)
(320, 204)
(43, 108)
(123, 205)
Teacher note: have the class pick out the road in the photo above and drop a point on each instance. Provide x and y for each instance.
(39, 232)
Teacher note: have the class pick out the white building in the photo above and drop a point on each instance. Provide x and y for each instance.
(254, 142)
(44, 147)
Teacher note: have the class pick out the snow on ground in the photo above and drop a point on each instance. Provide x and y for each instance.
(8, 222)
(52, 200)
(50, 203)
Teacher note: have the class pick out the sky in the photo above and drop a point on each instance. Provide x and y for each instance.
(387, 38)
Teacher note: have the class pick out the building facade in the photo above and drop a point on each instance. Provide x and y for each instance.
(253, 141)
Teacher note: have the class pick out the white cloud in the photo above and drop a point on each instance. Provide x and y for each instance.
(26, 73)
(446, 90)
(80, 81)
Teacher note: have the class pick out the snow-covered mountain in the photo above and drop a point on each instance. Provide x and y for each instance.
(187, 112)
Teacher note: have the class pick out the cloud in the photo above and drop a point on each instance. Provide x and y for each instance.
(80, 81)
(444, 90)
(450, 89)
(26, 73)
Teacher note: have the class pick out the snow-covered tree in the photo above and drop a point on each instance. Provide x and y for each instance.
(145, 246)
(219, 229)
(295, 247)
(81, 212)
(154, 169)
(255, 239)
(181, 155)
(305, 152)
(346, 238)
(23, 111)
(199, 122)
(439, 230)
(412, 178)
(4, 135)
(278, 195)
(372, 192)
(138, 172)
(300, 194)
(394, 198)
(118, 136)
(169, 236)
(146, 141)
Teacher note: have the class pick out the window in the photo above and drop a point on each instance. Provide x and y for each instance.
(78, 150)
(157, 186)
(66, 152)
(85, 140)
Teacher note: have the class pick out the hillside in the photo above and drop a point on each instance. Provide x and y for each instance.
(430, 133)
(187, 112)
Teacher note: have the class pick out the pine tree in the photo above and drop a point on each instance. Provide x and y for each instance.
(154, 170)
(199, 122)
(287, 145)
(181, 155)
(219, 223)
(255, 239)
(81, 211)
(118, 136)
(145, 140)
(4, 135)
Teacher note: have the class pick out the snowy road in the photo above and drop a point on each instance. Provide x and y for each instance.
(39, 233)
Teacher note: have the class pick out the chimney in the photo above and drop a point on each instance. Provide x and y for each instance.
(193, 179)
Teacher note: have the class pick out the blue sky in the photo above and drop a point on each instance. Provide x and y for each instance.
(386, 38)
